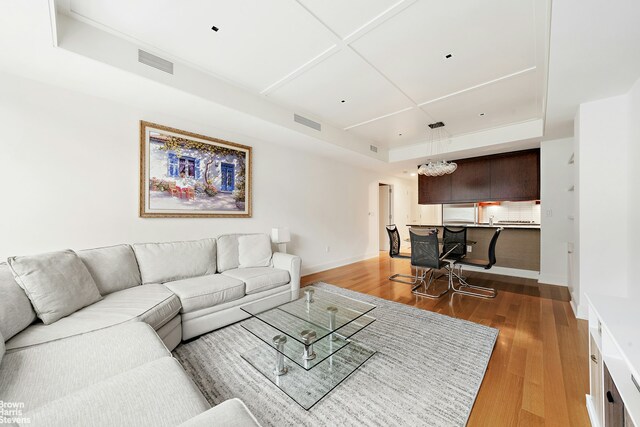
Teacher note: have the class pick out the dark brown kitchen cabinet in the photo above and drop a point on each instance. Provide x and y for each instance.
(471, 181)
(502, 177)
(434, 189)
(516, 176)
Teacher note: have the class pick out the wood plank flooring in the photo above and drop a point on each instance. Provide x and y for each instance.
(538, 373)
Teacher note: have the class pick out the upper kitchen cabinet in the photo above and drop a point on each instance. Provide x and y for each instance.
(434, 189)
(503, 177)
(516, 176)
(471, 181)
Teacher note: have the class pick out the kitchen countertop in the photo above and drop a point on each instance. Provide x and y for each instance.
(505, 226)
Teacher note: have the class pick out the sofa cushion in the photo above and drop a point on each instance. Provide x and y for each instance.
(259, 279)
(156, 394)
(16, 312)
(113, 268)
(165, 262)
(230, 413)
(254, 250)
(152, 304)
(57, 283)
(40, 374)
(227, 252)
(206, 291)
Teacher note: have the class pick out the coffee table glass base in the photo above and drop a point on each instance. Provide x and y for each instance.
(307, 387)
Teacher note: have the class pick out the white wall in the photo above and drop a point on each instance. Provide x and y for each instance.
(556, 227)
(634, 189)
(70, 178)
(603, 205)
(430, 214)
(574, 257)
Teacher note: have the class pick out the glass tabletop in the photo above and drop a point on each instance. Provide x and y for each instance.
(293, 349)
(308, 387)
(311, 314)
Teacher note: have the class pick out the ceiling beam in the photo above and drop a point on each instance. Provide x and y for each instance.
(477, 142)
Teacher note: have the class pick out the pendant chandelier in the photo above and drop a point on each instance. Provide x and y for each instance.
(436, 168)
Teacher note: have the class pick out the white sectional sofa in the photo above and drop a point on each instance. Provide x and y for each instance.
(109, 362)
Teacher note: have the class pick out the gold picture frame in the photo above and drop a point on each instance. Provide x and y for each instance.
(188, 175)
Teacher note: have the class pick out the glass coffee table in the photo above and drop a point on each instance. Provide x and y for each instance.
(307, 348)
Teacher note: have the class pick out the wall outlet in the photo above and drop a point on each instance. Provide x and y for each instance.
(328, 248)
(469, 248)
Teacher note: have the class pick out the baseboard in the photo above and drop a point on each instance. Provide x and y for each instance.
(506, 271)
(552, 280)
(335, 264)
(573, 307)
(592, 412)
(581, 311)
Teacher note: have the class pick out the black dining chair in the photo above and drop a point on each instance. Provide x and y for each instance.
(394, 252)
(425, 256)
(454, 242)
(484, 263)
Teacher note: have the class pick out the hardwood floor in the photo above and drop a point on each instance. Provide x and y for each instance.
(538, 373)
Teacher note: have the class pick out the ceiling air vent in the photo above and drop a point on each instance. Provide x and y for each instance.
(436, 125)
(155, 61)
(307, 122)
(373, 148)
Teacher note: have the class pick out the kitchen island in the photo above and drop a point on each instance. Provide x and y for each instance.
(518, 246)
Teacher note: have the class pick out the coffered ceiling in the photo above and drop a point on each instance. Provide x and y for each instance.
(377, 69)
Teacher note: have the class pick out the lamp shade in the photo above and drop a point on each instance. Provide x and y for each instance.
(280, 235)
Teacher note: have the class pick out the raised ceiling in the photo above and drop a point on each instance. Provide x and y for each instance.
(384, 58)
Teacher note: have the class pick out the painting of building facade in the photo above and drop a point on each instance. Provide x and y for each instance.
(189, 175)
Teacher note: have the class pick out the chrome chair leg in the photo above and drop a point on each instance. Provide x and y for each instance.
(487, 293)
(415, 278)
(422, 277)
(426, 293)
(460, 272)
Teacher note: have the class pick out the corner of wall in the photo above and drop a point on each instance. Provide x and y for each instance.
(581, 311)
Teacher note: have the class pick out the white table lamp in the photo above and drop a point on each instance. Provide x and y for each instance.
(281, 237)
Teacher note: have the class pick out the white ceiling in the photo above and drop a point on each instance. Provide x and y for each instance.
(384, 58)
(32, 56)
(594, 54)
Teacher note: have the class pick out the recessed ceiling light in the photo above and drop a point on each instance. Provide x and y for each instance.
(448, 56)
(413, 174)
(214, 28)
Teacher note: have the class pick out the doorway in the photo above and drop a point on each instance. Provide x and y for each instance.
(385, 217)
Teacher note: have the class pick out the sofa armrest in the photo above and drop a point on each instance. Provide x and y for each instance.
(292, 264)
(232, 413)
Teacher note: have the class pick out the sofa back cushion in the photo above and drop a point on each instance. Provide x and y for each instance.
(16, 312)
(165, 262)
(57, 283)
(227, 252)
(254, 250)
(113, 268)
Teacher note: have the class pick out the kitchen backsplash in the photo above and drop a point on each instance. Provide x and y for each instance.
(510, 211)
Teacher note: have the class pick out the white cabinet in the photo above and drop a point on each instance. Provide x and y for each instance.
(614, 361)
(596, 399)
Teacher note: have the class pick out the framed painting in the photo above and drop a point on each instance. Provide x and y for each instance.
(183, 174)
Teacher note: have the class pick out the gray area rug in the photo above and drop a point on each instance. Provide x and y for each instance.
(427, 371)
